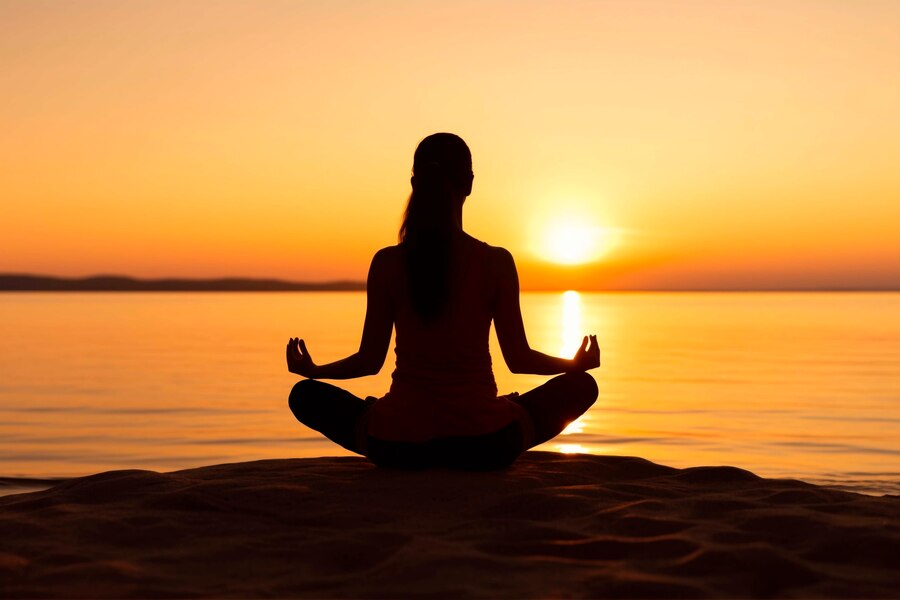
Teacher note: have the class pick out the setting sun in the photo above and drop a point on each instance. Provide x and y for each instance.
(573, 241)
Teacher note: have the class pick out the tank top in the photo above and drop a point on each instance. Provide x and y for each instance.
(443, 384)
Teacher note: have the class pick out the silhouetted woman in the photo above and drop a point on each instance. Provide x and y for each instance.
(441, 288)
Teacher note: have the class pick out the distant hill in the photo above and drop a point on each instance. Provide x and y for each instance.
(117, 283)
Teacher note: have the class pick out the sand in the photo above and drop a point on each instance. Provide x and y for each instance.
(553, 525)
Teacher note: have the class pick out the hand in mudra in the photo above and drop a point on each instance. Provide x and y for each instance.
(299, 361)
(587, 357)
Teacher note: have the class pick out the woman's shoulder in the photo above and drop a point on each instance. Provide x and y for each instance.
(498, 261)
(385, 264)
(498, 256)
(495, 253)
(387, 253)
(388, 257)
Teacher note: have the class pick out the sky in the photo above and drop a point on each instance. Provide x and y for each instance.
(616, 145)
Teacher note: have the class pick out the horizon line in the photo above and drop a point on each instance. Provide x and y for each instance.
(28, 282)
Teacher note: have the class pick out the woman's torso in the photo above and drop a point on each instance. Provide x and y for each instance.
(443, 384)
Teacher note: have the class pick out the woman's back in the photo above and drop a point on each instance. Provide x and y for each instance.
(443, 384)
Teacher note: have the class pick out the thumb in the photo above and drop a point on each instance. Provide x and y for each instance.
(303, 348)
(584, 344)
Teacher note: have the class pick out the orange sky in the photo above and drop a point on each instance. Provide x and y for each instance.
(715, 144)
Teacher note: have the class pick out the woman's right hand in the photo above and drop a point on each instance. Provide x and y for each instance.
(587, 357)
(299, 360)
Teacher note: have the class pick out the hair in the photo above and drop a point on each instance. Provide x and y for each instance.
(442, 170)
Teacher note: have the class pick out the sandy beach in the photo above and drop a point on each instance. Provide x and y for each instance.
(553, 525)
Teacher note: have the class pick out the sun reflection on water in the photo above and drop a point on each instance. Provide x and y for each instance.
(571, 324)
(571, 448)
(576, 426)
(569, 344)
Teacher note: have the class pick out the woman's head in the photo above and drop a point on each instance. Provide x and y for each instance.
(441, 180)
(443, 160)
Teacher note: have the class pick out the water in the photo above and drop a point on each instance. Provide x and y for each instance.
(799, 385)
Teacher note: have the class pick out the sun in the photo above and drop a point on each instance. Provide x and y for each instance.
(573, 241)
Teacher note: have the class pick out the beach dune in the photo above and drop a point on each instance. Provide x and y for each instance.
(552, 525)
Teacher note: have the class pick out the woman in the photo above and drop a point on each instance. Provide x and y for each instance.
(441, 288)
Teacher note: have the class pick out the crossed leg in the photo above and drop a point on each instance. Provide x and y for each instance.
(330, 410)
(336, 413)
(555, 404)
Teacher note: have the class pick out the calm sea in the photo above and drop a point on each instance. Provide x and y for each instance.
(799, 385)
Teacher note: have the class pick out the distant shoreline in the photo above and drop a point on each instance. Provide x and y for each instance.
(121, 283)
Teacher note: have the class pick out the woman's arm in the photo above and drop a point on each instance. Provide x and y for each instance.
(376, 335)
(519, 356)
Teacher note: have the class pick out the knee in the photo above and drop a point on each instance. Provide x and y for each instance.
(299, 395)
(584, 387)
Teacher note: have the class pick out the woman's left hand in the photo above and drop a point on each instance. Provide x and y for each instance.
(587, 358)
(299, 360)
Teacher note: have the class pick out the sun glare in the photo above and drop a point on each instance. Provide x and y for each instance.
(574, 242)
(572, 449)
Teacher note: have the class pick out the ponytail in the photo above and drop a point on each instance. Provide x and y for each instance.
(441, 163)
